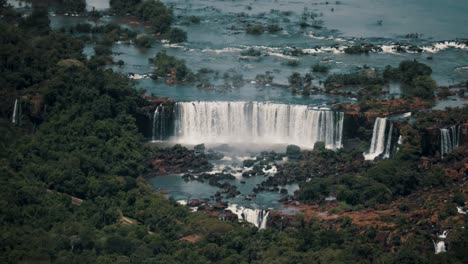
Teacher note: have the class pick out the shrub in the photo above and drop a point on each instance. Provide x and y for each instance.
(177, 35)
(251, 52)
(257, 29)
(320, 68)
(143, 41)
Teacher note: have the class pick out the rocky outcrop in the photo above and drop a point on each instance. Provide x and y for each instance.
(373, 108)
(145, 115)
(431, 139)
(177, 160)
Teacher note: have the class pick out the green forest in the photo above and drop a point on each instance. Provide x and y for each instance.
(72, 172)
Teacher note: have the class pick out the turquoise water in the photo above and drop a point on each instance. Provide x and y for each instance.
(435, 19)
(175, 186)
(217, 41)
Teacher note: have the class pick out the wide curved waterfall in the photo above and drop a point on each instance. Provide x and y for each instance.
(257, 123)
(449, 139)
(381, 140)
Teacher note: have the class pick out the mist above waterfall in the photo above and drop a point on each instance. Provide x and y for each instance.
(260, 123)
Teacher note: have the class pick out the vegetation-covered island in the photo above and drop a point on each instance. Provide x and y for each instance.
(150, 131)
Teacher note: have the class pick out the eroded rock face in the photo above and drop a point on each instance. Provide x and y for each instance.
(350, 109)
(464, 133)
(431, 138)
(145, 115)
(36, 104)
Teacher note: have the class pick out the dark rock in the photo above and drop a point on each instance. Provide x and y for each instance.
(293, 152)
(248, 163)
(194, 202)
(212, 155)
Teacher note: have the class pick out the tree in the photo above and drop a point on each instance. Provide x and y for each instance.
(144, 41)
(38, 22)
(75, 6)
(177, 35)
(158, 14)
(421, 86)
(122, 7)
(409, 70)
(320, 68)
(295, 80)
(166, 64)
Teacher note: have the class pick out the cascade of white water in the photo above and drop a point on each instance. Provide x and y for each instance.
(264, 221)
(439, 247)
(257, 122)
(388, 147)
(159, 129)
(445, 142)
(15, 111)
(449, 139)
(377, 146)
(257, 217)
(161, 124)
(155, 122)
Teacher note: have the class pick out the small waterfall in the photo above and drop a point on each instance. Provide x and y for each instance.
(158, 123)
(377, 146)
(388, 147)
(161, 124)
(439, 246)
(257, 122)
(155, 122)
(449, 139)
(14, 118)
(264, 221)
(257, 217)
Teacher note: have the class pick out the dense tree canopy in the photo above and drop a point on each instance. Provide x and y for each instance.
(415, 77)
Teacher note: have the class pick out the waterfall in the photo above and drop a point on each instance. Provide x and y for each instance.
(264, 221)
(161, 124)
(257, 122)
(388, 147)
(378, 139)
(155, 122)
(15, 111)
(257, 217)
(158, 123)
(449, 139)
(439, 247)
